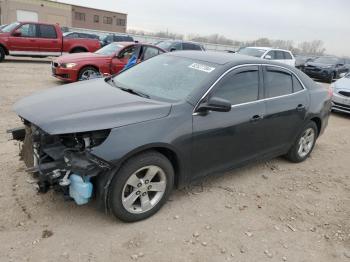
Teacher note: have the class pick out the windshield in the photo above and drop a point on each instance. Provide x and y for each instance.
(9, 27)
(164, 45)
(252, 52)
(166, 77)
(326, 60)
(110, 49)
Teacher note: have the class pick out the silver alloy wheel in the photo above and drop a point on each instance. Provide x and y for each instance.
(88, 74)
(144, 189)
(306, 142)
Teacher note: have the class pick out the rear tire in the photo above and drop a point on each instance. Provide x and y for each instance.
(2, 54)
(304, 144)
(141, 186)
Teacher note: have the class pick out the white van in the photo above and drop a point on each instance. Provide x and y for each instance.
(278, 55)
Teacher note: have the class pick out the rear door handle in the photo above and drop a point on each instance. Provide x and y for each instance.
(300, 107)
(256, 118)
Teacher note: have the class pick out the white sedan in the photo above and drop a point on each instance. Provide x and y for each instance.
(341, 94)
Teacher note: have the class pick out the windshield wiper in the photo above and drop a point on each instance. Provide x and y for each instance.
(109, 79)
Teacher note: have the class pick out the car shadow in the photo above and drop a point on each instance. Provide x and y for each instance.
(340, 114)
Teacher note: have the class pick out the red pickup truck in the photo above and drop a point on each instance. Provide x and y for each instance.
(40, 40)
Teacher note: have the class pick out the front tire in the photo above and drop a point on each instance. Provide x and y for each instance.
(88, 73)
(2, 54)
(141, 186)
(304, 144)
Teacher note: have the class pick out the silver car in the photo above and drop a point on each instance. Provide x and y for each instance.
(341, 94)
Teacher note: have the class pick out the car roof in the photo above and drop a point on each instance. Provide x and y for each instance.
(181, 41)
(267, 48)
(215, 57)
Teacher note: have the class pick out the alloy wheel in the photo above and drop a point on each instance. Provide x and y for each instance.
(144, 189)
(88, 74)
(306, 142)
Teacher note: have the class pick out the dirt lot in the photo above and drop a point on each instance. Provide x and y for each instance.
(271, 211)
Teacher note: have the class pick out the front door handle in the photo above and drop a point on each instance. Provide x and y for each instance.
(300, 107)
(256, 118)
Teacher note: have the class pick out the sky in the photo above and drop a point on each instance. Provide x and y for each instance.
(243, 20)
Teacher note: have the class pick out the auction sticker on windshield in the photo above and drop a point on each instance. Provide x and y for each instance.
(203, 68)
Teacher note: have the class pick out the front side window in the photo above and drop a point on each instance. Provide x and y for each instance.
(28, 30)
(271, 54)
(239, 88)
(47, 31)
(277, 82)
(127, 52)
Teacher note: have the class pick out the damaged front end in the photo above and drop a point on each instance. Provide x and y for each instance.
(62, 162)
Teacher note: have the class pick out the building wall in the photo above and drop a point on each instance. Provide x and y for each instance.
(83, 17)
(47, 12)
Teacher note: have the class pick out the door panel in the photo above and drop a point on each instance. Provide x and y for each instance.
(285, 110)
(27, 42)
(119, 62)
(48, 40)
(224, 139)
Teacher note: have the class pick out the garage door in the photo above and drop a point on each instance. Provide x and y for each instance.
(29, 16)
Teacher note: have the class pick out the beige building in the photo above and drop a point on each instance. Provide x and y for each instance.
(64, 14)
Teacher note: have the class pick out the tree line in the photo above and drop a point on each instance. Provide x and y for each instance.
(315, 47)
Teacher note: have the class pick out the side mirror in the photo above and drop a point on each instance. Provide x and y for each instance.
(268, 57)
(172, 49)
(215, 104)
(17, 33)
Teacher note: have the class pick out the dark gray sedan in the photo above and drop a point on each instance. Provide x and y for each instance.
(129, 139)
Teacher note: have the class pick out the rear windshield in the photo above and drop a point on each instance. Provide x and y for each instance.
(9, 27)
(110, 49)
(252, 52)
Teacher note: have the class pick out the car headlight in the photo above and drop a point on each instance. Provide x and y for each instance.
(68, 65)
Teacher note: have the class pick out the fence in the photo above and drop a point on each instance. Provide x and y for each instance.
(154, 39)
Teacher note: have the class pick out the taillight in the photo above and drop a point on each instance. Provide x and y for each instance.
(330, 90)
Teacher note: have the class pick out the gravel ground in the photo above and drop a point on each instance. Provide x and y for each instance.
(269, 211)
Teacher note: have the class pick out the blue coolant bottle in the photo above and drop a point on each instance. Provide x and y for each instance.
(79, 189)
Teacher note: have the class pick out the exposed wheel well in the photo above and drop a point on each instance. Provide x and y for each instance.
(98, 70)
(5, 49)
(169, 154)
(318, 124)
(79, 48)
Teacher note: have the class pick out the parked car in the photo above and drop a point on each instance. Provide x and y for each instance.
(106, 40)
(175, 45)
(80, 35)
(300, 61)
(278, 55)
(110, 59)
(40, 40)
(326, 68)
(165, 122)
(341, 94)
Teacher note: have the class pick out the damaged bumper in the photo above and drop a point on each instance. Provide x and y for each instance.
(62, 162)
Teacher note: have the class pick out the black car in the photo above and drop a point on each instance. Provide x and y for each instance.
(106, 40)
(131, 138)
(300, 61)
(175, 45)
(80, 35)
(326, 68)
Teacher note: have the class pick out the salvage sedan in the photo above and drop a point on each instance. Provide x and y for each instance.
(128, 140)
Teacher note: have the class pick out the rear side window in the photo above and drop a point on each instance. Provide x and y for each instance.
(239, 87)
(190, 46)
(287, 56)
(47, 31)
(297, 85)
(279, 55)
(277, 82)
(150, 52)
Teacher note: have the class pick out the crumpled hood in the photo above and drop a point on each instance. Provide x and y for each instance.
(320, 65)
(87, 106)
(343, 84)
